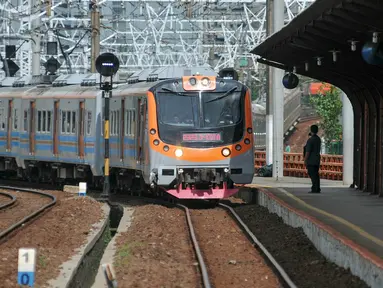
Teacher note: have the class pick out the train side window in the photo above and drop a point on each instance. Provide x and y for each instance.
(68, 119)
(89, 123)
(25, 120)
(63, 118)
(73, 122)
(127, 117)
(133, 122)
(2, 119)
(39, 120)
(112, 122)
(49, 118)
(130, 120)
(44, 121)
(118, 122)
(15, 119)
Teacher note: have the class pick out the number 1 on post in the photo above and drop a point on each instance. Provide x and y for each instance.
(26, 271)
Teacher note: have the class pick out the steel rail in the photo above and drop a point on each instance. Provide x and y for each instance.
(276, 265)
(203, 268)
(30, 216)
(10, 203)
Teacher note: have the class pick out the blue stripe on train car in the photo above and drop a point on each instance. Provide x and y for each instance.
(61, 159)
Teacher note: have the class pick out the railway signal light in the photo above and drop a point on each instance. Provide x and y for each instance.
(107, 65)
(228, 73)
(52, 65)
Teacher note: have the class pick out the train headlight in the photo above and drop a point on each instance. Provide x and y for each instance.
(192, 81)
(226, 152)
(153, 131)
(178, 153)
(205, 81)
(247, 141)
(238, 147)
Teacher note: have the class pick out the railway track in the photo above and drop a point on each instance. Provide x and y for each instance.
(13, 208)
(200, 255)
(205, 271)
(9, 202)
(277, 267)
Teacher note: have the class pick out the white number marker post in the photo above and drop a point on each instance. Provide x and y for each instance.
(27, 262)
(82, 189)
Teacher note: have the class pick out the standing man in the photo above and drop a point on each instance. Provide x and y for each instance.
(312, 158)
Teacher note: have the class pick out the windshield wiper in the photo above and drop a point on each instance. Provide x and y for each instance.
(174, 92)
(222, 96)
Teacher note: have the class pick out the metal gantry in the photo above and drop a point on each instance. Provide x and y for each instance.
(142, 33)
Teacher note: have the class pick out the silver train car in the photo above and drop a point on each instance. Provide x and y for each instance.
(186, 132)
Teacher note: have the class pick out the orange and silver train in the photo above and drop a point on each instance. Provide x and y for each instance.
(185, 131)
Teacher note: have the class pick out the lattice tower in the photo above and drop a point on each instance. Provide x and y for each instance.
(142, 33)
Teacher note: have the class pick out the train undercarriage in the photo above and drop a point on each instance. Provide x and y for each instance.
(190, 183)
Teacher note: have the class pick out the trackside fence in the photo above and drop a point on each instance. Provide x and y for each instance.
(331, 165)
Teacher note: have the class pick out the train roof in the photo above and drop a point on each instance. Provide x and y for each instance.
(87, 85)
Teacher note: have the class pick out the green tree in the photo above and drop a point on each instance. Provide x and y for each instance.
(329, 107)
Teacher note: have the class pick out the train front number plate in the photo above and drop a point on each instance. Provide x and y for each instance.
(197, 137)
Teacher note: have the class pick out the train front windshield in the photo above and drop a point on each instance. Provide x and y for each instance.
(205, 112)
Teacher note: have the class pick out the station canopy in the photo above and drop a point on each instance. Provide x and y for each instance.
(325, 42)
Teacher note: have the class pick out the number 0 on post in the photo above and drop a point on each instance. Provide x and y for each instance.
(26, 271)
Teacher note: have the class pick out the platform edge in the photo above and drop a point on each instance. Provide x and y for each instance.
(334, 246)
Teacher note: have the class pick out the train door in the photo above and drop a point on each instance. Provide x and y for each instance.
(9, 125)
(115, 128)
(56, 126)
(138, 131)
(122, 130)
(81, 123)
(141, 129)
(32, 127)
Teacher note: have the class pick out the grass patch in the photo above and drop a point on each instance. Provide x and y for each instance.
(42, 261)
(124, 253)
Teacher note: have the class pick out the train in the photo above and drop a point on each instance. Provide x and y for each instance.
(186, 132)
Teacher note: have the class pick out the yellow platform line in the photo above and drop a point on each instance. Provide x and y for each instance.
(354, 227)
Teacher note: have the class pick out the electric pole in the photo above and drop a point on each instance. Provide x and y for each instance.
(35, 27)
(95, 22)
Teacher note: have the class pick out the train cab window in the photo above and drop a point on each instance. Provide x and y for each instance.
(25, 120)
(89, 123)
(15, 119)
(130, 122)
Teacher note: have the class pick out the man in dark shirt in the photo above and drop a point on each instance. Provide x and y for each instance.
(304, 147)
(312, 158)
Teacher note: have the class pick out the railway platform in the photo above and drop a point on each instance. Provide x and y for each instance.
(344, 224)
